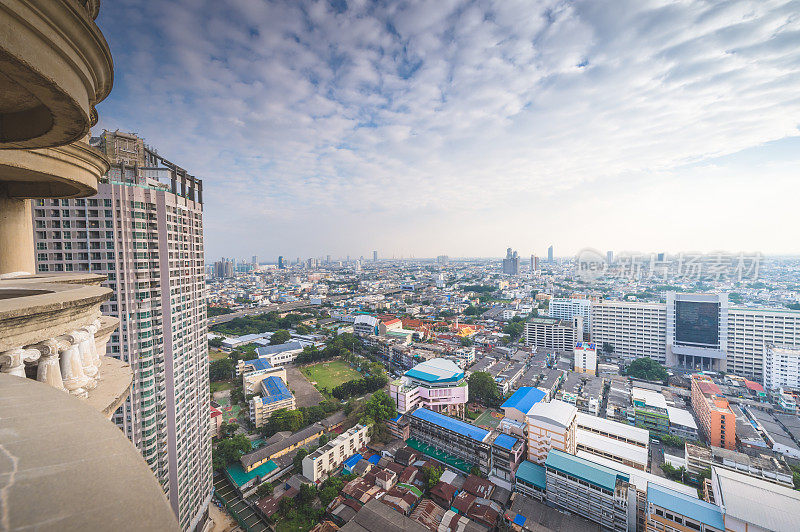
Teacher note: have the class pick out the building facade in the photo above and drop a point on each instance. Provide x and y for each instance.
(781, 367)
(551, 426)
(436, 384)
(717, 420)
(143, 230)
(322, 462)
(461, 441)
(566, 308)
(554, 333)
(586, 357)
(633, 330)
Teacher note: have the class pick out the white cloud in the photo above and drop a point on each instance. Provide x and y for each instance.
(445, 126)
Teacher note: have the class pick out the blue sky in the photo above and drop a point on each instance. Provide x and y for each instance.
(461, 128)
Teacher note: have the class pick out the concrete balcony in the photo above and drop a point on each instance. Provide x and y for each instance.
(53, 332)
(56, 66)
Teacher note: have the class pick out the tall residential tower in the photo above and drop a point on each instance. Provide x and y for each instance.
(144, 231)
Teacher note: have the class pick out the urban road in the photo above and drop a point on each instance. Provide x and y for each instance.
(284, 307)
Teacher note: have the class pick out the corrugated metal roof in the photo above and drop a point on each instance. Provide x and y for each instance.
(524, 398)
(532, 474)
(596, 474)
(459, 427)
(691, 507)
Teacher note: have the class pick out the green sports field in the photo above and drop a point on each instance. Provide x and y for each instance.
(330, 374)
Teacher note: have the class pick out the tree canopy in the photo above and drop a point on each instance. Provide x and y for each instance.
(230, 450)
(220, 370)
(280, 337)
(483, 389)
(647, 369)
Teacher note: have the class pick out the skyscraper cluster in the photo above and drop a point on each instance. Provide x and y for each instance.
(511, 262)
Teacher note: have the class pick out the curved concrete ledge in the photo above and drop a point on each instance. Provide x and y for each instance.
(49, 310)
(113, 386)
(56, 66)
(63, 466)
(64, 172)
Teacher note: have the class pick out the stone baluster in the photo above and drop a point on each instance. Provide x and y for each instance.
(49, 370)
(85, 341)
(13, 361)
(96, 356)
(75, 380)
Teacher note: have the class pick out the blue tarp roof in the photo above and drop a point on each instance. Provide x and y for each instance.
(273, 389)
(519, 520)
(459, 427)
(680, 503)
(524, 398)
(353, 460)
(599, 475)
(505, 441)
(374, 459)
(533, 474)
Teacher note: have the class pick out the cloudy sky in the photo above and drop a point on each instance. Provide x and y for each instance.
(464, 127)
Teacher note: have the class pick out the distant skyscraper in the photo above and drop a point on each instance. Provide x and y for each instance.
(609, 257)
(280, 263)
(374, 256)
(255, 260)
(534, 263)
(550, 254)
(144, 232)
(511, 263)
(442, 260)
(328, 259)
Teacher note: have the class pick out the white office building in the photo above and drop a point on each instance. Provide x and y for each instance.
(781, 367)
(750, 331)
(144, 232)
(633, 329)
(566, 308)
(586, 357)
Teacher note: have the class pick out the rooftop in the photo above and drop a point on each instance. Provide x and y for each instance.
(505, 441)
(593, 473)
(691, 507)
(524, 398)
(436, 370)
(455, 425)
(557, 412)
(280, 348)
(240, 477)
(756, 501)
(532, 474)
(274, 390)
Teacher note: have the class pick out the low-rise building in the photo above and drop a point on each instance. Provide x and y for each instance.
(436, 384)
(507, 453)
(554, 333)
(588, 489)
(682, 423)
(761, 466)
(612, 440)
(550, 426)
(457, 443)
(717, 420)
(274, 395)
(280, 354)
(586, 357)
(649, 411)
(675, 511)
(319, 464)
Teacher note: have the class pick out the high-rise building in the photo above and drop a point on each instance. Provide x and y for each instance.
(534, 264)
(328, 259)
(781, 367)
(697, 330)
(511, 262)
(374, 256)
(442, 260)
(255, 260)
(567, 308)
(550, 254)
(144, 231)
(281, 265)
(632, 329)
(609, 257)
(717, 420)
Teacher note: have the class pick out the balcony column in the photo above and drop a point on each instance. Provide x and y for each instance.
(75, 380)
(49, 370)
(13, 361)
(16, 234)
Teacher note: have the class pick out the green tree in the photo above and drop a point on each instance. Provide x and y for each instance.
(483, 389)
(608, 348)
(220, 370)
(307, 493)
(466, 342)
(265, 489)
(380, 407)
(647, 369)
(431, 476)
(215, 342)
(298, 459)
(280, 337)
(230, 450)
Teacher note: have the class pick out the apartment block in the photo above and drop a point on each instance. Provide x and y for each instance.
(781, 367)
(436, 384)
(143, 230)
(717, 420)
(463, 445)
(585, 357)
(567, 308)
(591, 490)
(554, 333)
(273, 395)
(633, 329)
(325, 460)
(551, 426)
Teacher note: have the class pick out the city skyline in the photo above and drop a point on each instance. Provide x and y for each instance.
(649, 120)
